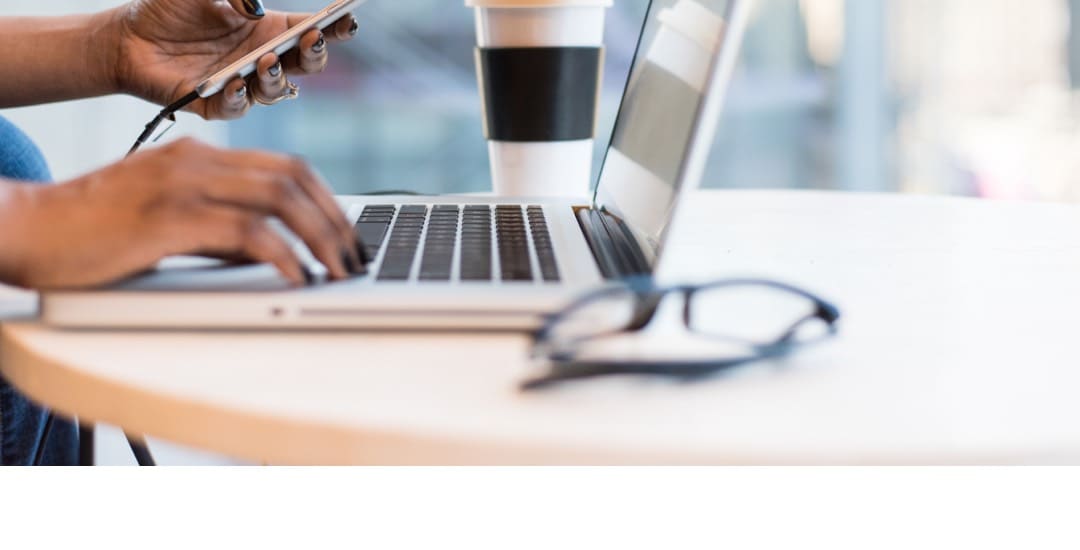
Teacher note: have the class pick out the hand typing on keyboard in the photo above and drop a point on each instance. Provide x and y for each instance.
(184, 198)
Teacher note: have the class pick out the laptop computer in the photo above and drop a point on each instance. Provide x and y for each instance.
(481, 263)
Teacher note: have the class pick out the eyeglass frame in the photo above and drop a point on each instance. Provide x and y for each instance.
(566, 367)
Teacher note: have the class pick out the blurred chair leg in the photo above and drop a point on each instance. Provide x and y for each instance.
(140, 450)
(86, 443)
(39, 457)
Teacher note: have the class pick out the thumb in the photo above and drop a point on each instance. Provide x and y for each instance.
(252, 9)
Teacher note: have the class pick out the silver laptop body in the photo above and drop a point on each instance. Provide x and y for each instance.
(467, 262)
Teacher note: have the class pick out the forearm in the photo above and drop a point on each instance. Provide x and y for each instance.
(49, 59)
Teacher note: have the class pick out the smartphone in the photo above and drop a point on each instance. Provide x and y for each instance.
(279, 45)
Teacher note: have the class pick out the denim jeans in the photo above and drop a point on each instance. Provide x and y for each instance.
(22, 423)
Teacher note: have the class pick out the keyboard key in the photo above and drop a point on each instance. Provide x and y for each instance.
(372, 235)
(400, 253)
(476, 237)
(442, 233)
(545, 251)
(513, 244)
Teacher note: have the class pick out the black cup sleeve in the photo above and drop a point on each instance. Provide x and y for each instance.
(539, 94)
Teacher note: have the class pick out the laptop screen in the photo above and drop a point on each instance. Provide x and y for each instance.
(676, 72)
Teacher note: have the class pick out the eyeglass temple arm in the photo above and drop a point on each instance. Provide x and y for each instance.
(168, 113)
(571, 371)
(826, 312)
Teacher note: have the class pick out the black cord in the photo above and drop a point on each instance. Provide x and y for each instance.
(39, 457)
(140, 449)
(168, 113)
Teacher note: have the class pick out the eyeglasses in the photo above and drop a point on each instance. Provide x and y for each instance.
(727, 324)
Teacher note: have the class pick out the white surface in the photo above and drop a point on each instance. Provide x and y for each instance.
(956, 346)
(542, 169)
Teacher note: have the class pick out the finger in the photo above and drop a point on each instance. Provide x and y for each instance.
(343, 29)
(252, 9)
(310, 182)
(323, 196)
(270, 82)
(312, 55)
(229, 232)
(231, 103)
(276, 193)
(314, 187)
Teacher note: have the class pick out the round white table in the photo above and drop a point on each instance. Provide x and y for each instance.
(957, 346)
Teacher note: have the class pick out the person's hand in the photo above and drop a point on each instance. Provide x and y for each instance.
(184, 198)
(168, 46)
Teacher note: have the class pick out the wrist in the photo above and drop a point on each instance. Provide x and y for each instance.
(105, 49)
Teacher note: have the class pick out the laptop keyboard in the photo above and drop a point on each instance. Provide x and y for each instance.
(427, 243)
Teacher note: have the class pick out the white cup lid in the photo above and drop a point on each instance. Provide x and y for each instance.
(536, 3)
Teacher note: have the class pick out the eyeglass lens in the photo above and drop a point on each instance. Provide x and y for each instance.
(756, 314)
(605, 314)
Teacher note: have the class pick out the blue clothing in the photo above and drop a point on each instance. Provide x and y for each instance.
(21, 422)
(20, 159)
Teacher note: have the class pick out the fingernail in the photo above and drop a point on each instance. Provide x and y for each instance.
(254, 8)
(351, 264)
(347, 262)
(319, 45)
(361, 252)
(241, 92)
(275, 69)
(355, 26)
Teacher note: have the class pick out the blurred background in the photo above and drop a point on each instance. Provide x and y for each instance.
(963, 97)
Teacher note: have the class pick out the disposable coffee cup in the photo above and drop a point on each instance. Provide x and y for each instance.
(539, 67)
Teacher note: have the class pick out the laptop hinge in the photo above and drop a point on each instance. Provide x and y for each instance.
(614, 247)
